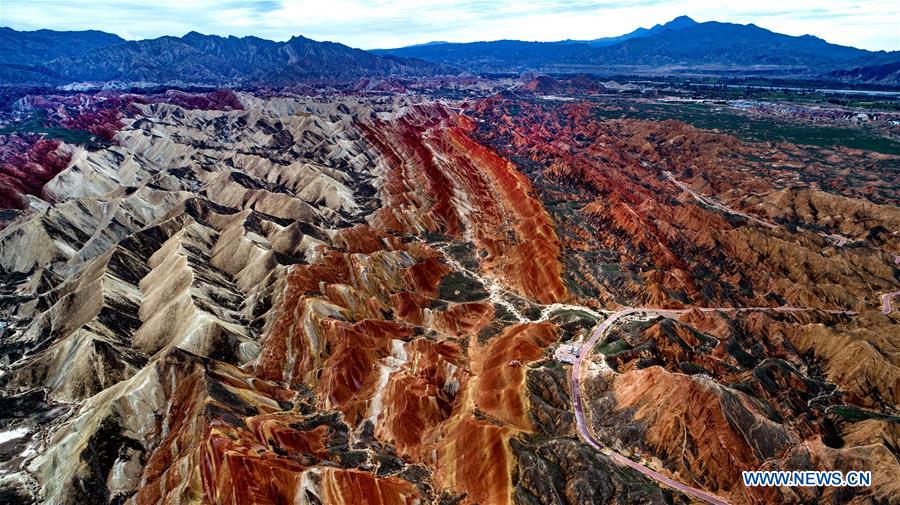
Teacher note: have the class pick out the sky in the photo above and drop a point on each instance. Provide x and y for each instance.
(873, 24)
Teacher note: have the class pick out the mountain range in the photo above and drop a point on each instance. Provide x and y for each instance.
(681, 47)
(47, 57)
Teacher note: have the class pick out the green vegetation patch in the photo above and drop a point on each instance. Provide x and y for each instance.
(754, 129)
(612, 348)
(461, 287)
(38, 124)
(854, 414)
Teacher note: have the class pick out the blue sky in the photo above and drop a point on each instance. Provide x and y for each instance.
(873, 24)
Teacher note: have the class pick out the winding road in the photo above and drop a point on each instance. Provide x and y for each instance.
(886, 298)
(585, 351)
(886, 301)
(839, 240)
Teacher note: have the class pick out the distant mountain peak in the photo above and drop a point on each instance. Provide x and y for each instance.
(431, 43)
(682, 19)
(678, 23)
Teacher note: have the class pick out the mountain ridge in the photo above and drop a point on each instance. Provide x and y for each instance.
(675, 24)
(681, 44)
(191, 59)
(26, 47)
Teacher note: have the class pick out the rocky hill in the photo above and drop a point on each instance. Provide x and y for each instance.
(881, 70)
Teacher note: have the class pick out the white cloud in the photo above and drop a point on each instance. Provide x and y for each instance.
(381, 23)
